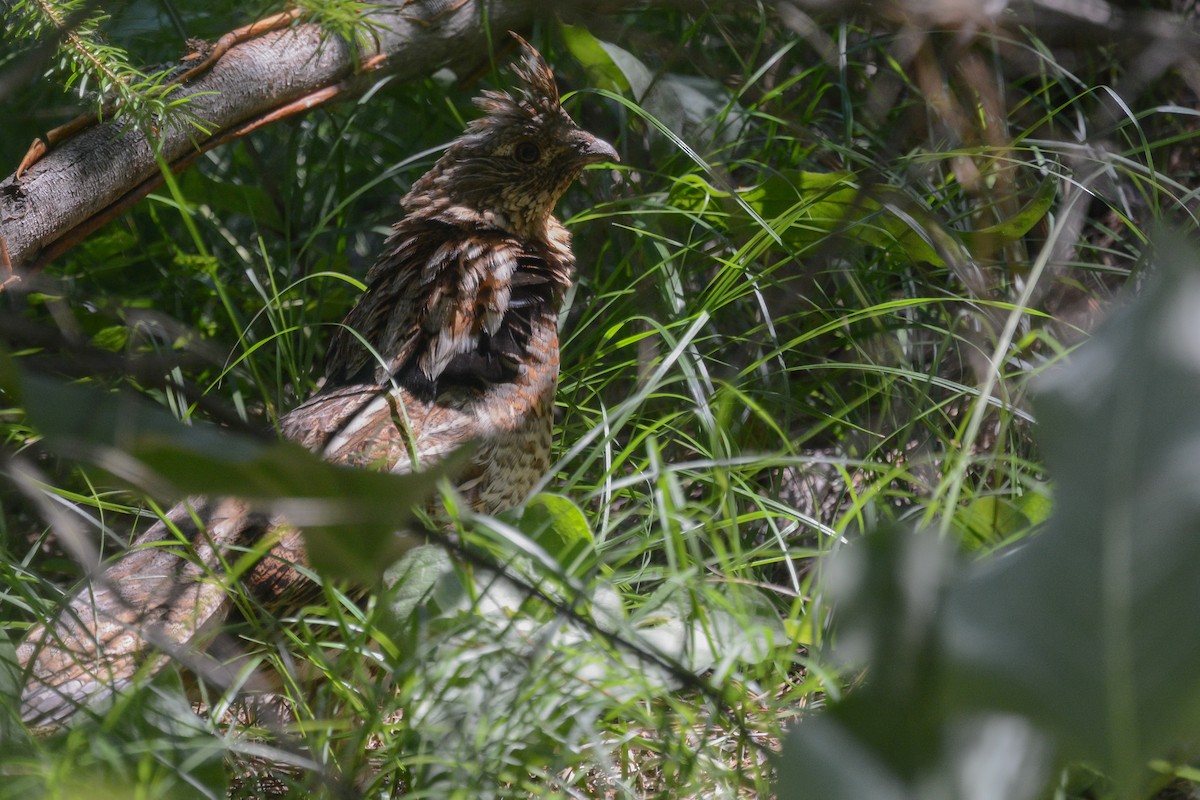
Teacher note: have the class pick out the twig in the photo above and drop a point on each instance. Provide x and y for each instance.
(210, 56)
(7, 265)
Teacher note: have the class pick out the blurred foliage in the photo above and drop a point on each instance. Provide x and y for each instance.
(1075, 645)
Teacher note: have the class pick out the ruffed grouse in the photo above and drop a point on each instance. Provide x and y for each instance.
(459, 323)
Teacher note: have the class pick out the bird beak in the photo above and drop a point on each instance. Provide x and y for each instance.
(592, 150)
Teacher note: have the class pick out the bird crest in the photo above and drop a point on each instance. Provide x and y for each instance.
(537, 96)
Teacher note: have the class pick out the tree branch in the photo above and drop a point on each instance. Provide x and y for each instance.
(95, 174)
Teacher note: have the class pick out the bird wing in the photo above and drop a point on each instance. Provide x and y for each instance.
(439, 292)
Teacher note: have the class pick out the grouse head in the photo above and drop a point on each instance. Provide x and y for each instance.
(511, 166)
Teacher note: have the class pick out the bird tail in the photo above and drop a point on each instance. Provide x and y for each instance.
(153, 604)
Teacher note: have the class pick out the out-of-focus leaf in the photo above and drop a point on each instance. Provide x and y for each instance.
(350, 517)
(1020, 223)
(702, 635)
(902, 735)
(805, 208)
(113, 338)
(1036, 505)
(1089, 629)
(1081, 642)
(708, 111)
(990, 519)
(411, 580)
(10, 693)
(980, 757)
(229, 198)
(688, 105)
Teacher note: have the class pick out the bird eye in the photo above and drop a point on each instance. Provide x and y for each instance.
(527, 152)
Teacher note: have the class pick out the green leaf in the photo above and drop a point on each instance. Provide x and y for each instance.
(226, 198)
(596, 57)
(805, 208)
(11, 682)
(901, 736)
(113, 338)
(412, 579)
(1023, 221)
(991, 519)
(560, 528)
(1036, 505)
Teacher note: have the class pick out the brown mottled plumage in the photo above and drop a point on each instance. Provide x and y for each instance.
(461, 344)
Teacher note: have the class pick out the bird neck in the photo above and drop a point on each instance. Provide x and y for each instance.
(448, 208)
(473, 198)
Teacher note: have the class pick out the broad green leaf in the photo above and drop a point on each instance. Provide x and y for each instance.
(412, 579)
(1036, 505)
(595, 58)
(805, 208)
(559, 527)
(226, 198)
(113, 338)
(672, 101)
(989, 519)
(1023, 221)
